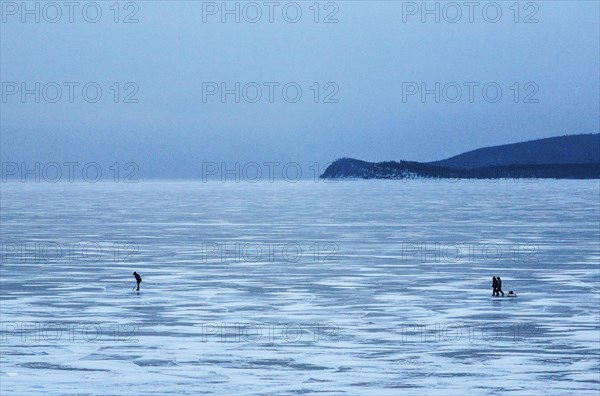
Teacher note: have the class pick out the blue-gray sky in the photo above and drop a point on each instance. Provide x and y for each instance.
(369, 54)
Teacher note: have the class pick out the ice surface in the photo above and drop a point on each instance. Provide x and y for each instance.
(384, 306)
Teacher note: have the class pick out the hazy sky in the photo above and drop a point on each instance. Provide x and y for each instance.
(374, 56)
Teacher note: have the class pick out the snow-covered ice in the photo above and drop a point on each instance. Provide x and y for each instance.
(355, 287)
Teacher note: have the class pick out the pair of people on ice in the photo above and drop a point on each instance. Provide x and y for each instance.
(497, 286)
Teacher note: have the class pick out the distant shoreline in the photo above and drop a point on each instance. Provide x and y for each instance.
(349, 169)
(563, 157)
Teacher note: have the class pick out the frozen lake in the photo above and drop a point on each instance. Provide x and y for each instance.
(361, 287)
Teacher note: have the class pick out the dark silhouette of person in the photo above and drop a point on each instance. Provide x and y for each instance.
(494, 286)
(499, 289)
(138, 280)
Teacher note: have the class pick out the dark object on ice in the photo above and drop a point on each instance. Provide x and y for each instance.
(499, 288)
(494, 285)
(512, 294)
(138, 280)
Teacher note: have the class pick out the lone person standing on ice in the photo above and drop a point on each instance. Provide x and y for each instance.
(138, 280)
